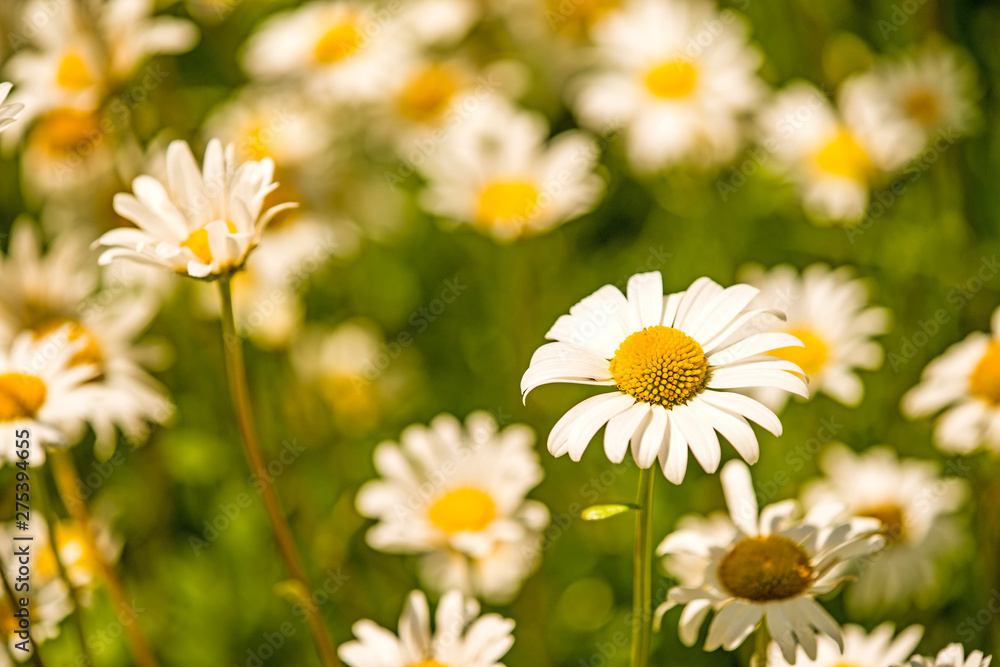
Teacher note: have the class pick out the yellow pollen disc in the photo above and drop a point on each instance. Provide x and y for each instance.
(766, 568)
(429, 662)
(575, 18)
(923, 106)
(65, 132)
(843, 156)
(21, 396)
(505, 201)
(197, 242)
(90, 353)
(338, 43)
(75, 547)
(660, 365)
(73, 73)
(426, 95)
(464, 509)
(811, 358)
(672, 80)
(984, 382)
(892, 519)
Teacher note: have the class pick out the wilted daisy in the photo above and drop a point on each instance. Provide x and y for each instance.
(677, 75)
(457, 495)
(496, 171)
(964, 385)
(827, 309)
(835, 155)
(672, 360)
(204, 223)
(461, 637)
(769, 571)
(861, 649)
(952, 655)
(912, 501)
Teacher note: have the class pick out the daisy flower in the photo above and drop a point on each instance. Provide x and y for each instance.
(457, 495)
(861, 649)
(678, 101)
(462, 637)
(769, 571)
(964, 385)
(496, 171)
(913, 503)
(952, 655)
(68, 151)
(835, 155)
(8, 112)
(204, 223)
(672, 360)
(827, 309)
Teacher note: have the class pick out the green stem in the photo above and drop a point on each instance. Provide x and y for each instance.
(36, 657)
(642, 576)
(236, 372)
(759, 658)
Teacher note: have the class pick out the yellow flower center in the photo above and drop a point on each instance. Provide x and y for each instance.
(576, 17)
(338, 43)
(464, 509)
(923, 106)
(984, 382)
(660, 365)
(811, 358)
(67, 132)
(843, 156)
(427, 93)
(75, 549)
(21, 396)
(90, 353)
(73, 73)
(892, 519)
(197, 242)
(507, 201)
(766, 568)
(429, 662)
(672, 80)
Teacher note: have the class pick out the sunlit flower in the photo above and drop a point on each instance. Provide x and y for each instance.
(861, 649)
(461, 637)
(952, 655)
(496, 171)
(964, 385)
(835, 156)
(827, 309)
(913, 502)
(673, 359)
(458, 495)
(203, 223)
(769, 571)
(677, 75)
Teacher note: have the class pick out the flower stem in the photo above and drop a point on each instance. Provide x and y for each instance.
(642, 576)
(36, 658)
(763, 640)
(279, 524)
(68, 483)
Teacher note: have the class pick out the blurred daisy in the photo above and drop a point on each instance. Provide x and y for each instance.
(964, 385)
(769, 571)
(67, 151)
(205, 224)
(827, 309)
(8, 112)
(912, 501)
(861, 649)
(951, 656)
(462, 637)
(835, 155)
(678, 101)
(459, 492)
(496, 171)
(672, 360)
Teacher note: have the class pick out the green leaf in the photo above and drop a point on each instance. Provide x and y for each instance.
(601, 512)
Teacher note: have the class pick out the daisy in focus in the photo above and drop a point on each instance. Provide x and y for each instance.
(204, 223)
(963, 384)
(827, 309)
(495, 171)
(769, 571)
(861, 649)
(461, 637)
(677, 99)
(835, 156)
(913, 503)
(952, 655)
(672, 360)
(457, 495)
